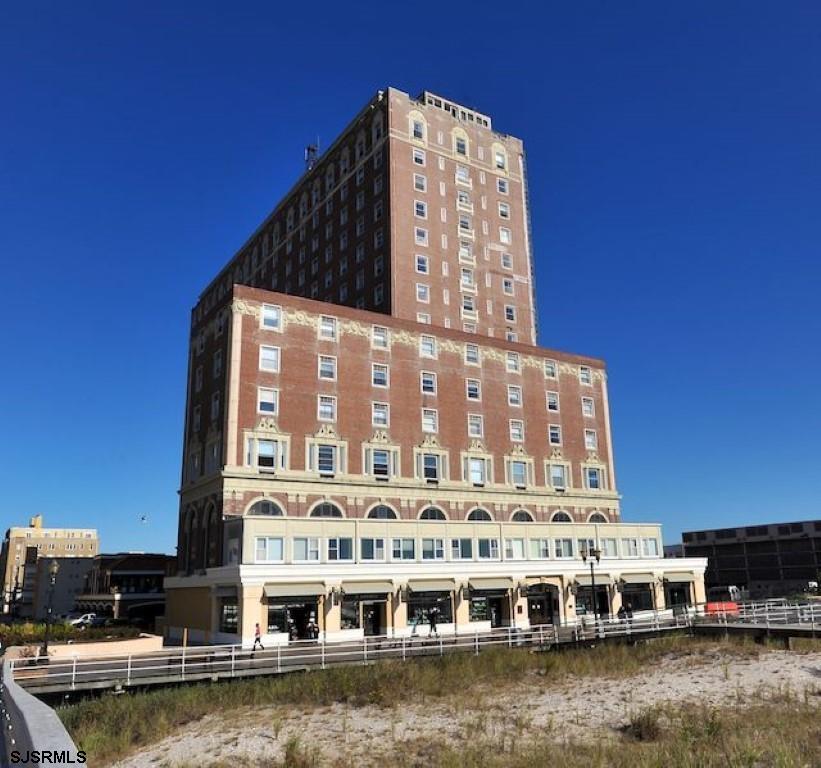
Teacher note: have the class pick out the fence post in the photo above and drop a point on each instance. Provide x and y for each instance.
(128, 672)
(233, 660)
(322, 651)
(364, 650)
(73, 673)
(476, 643)
(403, 650)
(279, 658)
(182, 667)
(441, 646)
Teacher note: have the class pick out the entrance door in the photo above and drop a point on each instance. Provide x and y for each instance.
(373, 618)
(495, 606)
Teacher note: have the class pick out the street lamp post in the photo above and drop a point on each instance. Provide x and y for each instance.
(52, 572)
(591, 554)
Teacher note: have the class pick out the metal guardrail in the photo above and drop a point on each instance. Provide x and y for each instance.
(768, 614)
(229, 661)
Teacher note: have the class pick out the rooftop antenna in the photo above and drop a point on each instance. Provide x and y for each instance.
(311, 154)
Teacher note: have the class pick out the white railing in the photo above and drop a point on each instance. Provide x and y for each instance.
(771, 613)
(220, 661)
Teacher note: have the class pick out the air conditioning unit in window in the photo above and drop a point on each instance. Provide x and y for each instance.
(560, 490)
(432, 481)
(478, 485)
(521, 487)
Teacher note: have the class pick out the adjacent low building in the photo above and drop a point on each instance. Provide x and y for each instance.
(765, 560)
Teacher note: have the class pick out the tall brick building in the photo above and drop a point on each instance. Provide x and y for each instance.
(370, 427)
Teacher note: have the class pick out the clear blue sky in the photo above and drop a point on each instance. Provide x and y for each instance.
(675, 182)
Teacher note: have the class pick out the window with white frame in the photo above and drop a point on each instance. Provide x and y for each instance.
(326, 408)
(266, 455)
(591, 440)
(514, 395)
(553, 401)
(419, 157)
(427, 346)
(268, 549)
(507, 261)
(650, 547)
(423, 318)
(427, 380)
(433, 549)
(488, 549)
(420, 209)
(563, 548)
(630, 547)
(380, 375)
(430, 420)
(380, 414)
(518, 472)
(327, 328)
(471, 354)
(461, 549)
(372, 549)
(340, 548)
(593, 478)
(326, 367)
(267, 400)
(271, 317)
(420, 235)
(462, 175)
(540, 549)
(554, 434)
(467, 278)
(420, 182)
(517, 430)
(507, 286)
(473, 389)
(418, 130)
(327, 458)
(403, 549)
(609, 547)
(475, 425)
(379, 337)
(588, 407)
(585, 375)
(431, 466)
(422, 264)
(382, 462)
(557, 476)
(423, 293)
(502, 186)
(504, 210)
(514, 549)
(513, 363)
(504, 236)
(305, 549)
(468, 303)
(476, 470)
(500, 159)
(510, 313)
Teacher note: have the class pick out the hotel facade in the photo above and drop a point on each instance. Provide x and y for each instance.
(371, 430)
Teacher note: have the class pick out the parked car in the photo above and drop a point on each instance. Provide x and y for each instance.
(85, 620)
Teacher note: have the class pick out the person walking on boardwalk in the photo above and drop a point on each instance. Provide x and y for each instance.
(258, 638)
(432, 616)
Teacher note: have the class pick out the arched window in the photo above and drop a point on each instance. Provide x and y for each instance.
(561, 517)
(521, 516)
(326, 509)
(432, 513)
(480, 516)
(266, 507)
(382, 512)
(597, 517)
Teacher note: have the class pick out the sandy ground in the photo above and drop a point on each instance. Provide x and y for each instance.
(570, 708)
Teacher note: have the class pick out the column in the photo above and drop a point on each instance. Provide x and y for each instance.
(462, 613)
(333, 614)
(251, 607)
(568, 600)
(400, 613)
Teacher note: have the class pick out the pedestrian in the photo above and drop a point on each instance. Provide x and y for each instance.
(312, 630)
(629, 610)
(417, 617)
(621, 613)
(258, 638)
(432, 615)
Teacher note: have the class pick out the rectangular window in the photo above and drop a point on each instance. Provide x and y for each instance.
(423, 318)
(268, 549)
(326, 459)
(403, 549)
(476, 471)
(420, 235)
(420, 209)
(422, 264)
(215, 405)
(379, 337)
(553, 401)
(427, 346)
(430, 466)
(327, 328)
(271, 317)
(418, 130)
(593, 478)
(372, 549)
(629, 547)
(340, 548)
(504, 236)
(563, 547)
(461, 549)
(554, 434)
(327, 367)
(650, 547)
(266, 400)
(217, 364)
(513, 363)
(514, 549)
(419, 157)
(558, 476)
(428, 382)
(588, 407)
(423, 293)
(488, 549)
(468, 303)
(540, 549)
(609, 548)
(381, 463)
(380, 414)
(585, 375)
(507, 261)
(430, 420)
(514, 396)
(306, 549)
(433, 549)
(518, 473)
(420, 182)
(462, 175)
(517, 430)
(379, 375)
(475, 425)
(507, 286)
(471, 354)
(267, 454)
(591, 441)
(500, 160)
(326, 408)
(510, 313)
(474, 389)
(504, 210)
(501, 186)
